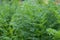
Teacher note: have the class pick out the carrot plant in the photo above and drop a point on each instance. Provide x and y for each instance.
(29, 20)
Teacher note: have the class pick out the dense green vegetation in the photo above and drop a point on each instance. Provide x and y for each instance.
(29, 20)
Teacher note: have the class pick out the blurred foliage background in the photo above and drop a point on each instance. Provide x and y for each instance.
(29, 20)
